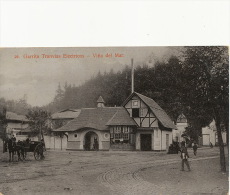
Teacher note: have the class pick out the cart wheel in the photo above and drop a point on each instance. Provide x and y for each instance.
(38, 152)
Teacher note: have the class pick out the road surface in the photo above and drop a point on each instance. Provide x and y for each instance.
(104, 173)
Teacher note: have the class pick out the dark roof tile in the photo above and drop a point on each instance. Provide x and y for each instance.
(96, 118)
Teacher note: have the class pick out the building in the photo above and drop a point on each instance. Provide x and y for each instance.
(59, 141)
(154, 127)
(181, 125)
(17, 125)
(139, 124)
(62, 117)
(209, 134)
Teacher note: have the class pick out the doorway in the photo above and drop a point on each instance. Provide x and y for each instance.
(146, 142)
(91, 141)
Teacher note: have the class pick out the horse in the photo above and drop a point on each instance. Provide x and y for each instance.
(17, 148)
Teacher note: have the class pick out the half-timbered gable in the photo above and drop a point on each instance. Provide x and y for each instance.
(154, 127)
(141, 112)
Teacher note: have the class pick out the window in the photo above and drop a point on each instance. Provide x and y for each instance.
(135, 112)
(117, 130)
(125, 136)
(75, 135)
(106, 135)
(120, 134)
(135, 103)
(216, 137)
(125, 129)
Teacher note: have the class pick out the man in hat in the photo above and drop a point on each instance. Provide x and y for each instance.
(184, 157)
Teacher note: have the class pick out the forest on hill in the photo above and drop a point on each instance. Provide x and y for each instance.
(163, 83)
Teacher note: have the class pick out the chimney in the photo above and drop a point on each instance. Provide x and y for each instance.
(132, 76)
(100, 102)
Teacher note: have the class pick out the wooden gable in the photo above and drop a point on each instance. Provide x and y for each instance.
(141, 112)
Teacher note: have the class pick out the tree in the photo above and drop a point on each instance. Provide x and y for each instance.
(206, 82)
(58, 97)
(3, 124)
(39, 122)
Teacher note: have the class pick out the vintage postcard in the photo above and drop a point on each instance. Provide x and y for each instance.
(114, 120)
(114, 97)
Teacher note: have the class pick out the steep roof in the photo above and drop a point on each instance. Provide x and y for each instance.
(100, 100)
(16, 117)
(66, 114)
(181, 119)
(96, 118)
(121, 117)
(156, 109)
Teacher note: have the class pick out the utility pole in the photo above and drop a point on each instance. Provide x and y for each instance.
(132, 75)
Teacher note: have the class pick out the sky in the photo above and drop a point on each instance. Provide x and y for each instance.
(96, 23)
(29, 71)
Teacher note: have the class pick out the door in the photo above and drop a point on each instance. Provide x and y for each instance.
(91, 141)
(146, 142)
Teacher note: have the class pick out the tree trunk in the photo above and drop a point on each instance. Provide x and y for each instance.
(227, 135)
(220, 141)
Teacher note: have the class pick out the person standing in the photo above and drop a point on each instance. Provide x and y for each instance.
(184, 157)
(194, 147)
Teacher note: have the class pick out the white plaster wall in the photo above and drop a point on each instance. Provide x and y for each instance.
(56, 142)
(179, 131)
(224, 137)
(21, 137)
(211, 131)
(138, 141)
(153, 141)
(157, 139)
(1, 146)
(81, 137)
(164, 139)
(10, 127)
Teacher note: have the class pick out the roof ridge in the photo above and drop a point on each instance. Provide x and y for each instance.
(151, 100)
(144, 96)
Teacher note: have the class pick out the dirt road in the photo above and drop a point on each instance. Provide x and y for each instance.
(113, 173)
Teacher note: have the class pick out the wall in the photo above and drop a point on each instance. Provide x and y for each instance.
(21, 137)
(164, 133)
(55, 142)
(77, 139)
(1, 146)
(208, 135)
(157, 139)
(180, 130)
(13, 126)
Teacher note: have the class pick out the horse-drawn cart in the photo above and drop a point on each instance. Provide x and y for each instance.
(22, 147)
(37, 147)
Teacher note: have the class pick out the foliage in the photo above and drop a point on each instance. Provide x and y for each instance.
(18, 106)
(39, 122)
(207, 83)
(3, 124)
